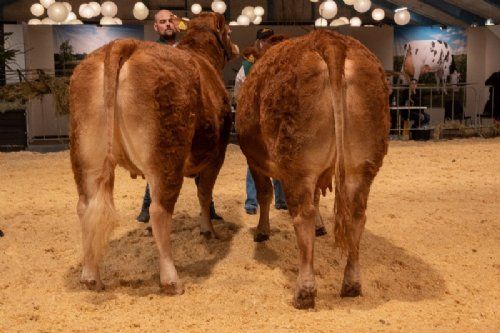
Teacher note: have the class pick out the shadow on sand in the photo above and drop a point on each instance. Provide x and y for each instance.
(131, 261)
(388, 271)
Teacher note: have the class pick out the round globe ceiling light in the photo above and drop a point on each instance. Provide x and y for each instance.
(196, 8)
(71, 16)
(249, 12)
(47, 3)
(219, 7)
(48, 21)
(140, 11)
(349, 2)
(402, 16)
(378, 14)
(96, 7)
(86, 11)
(34, 21)
(57, 12)
(107, 20)
(320, 22)
(243, 20)
(258, 11)
(328, 9)
(258, 20)
(109, 9)
(37, 9)
(355, 21)
(362, 6)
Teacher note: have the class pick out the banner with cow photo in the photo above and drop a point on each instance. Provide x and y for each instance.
(72, 43)
(430, 55)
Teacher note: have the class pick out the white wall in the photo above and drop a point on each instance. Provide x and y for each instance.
(42, 119)
(483, 58)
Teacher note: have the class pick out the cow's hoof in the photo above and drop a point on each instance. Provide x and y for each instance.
(258, 238)
(320, 232)
(351, 290)
(92, 284)
(173, 288)
(304, 298)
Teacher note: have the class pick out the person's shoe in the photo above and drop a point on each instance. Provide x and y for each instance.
(281, 206)
(214, 215)
(143, 215)
(251, 211)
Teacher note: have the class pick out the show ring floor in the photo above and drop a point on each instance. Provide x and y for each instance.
(429, 253)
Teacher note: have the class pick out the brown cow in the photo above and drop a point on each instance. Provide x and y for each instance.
(312, 107)
(158, 111)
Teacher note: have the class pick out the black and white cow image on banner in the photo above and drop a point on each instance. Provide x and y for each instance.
(424, 56)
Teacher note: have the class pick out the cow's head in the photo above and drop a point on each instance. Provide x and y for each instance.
(217, 24)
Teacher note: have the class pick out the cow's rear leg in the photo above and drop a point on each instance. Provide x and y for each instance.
(300, 201)
(164, 193)
(358, 187)
(97, 216)
(320, 226)
(264, 197)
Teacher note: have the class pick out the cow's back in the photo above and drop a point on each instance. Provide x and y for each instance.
(291, 116)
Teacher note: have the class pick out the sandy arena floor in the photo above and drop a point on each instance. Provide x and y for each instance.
(429, 253)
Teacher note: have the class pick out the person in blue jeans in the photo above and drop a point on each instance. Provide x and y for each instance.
(165, 27)
(251, 203)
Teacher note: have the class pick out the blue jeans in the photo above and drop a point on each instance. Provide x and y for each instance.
(251, 200)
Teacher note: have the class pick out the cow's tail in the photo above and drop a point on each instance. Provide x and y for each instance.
(100, 215)
(334, 54)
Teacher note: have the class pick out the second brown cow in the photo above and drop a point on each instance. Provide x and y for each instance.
(312, 108)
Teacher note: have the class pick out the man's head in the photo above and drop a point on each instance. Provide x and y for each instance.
(262, 35)
(166, 24)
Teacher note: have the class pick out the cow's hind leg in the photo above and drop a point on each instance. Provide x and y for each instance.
(358, 188)
(97, 215)
(300, 201)
(264, 197)
(165, 190)
(320, 226)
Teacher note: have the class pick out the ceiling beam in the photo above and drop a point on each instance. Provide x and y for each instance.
(421, 8)
(485, 9)
(456, 12)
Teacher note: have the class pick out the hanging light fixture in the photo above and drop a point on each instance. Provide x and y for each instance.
(196, 8)
(378, 14)
(47, 3)
(344, 19)
(96, 7)
(37, 10)
(258, 20)
(48, 21)
(86, 11)
(328, 9)
(362, 6)
(57, 12)
(71, 16)
(140, 11)
(258, 11)
(34, 21)
(233, 23)
(109, 9)
(355, 21)
(489, 22)
(349, 2)
(249, 12)
(320, 22)
(402, 16)
(219, 7)
(243, 20)
(107, 20)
